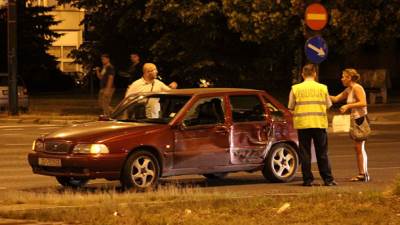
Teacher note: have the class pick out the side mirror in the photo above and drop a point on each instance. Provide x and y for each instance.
(104, 118)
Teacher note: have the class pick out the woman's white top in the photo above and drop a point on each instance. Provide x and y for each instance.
(351, 98)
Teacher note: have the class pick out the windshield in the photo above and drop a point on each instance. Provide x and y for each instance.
(150, 109)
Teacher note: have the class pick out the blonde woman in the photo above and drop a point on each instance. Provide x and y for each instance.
(356, 102)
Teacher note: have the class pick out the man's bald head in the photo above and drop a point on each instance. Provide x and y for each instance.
(149, 72)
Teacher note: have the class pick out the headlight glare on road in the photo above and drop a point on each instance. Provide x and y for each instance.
(90, 149)
(37, 146)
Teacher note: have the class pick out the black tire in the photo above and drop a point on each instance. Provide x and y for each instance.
(213, 176)
(281, 163)
(134, 169)
(72, 182)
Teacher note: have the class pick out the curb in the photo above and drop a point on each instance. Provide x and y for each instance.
(27, 222)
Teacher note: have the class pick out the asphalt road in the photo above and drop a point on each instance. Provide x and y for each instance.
(382, 148)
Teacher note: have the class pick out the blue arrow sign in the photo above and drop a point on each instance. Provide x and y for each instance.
(316, 49)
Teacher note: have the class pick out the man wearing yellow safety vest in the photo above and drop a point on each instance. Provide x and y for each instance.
(310, 101)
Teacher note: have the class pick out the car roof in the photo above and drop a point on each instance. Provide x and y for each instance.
(195, 91)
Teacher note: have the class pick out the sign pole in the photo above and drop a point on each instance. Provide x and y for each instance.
(12, 56)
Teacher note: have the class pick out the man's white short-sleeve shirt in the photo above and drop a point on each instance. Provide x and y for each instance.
(141, 85)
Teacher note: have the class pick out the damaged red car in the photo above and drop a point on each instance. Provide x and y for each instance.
(207, 131)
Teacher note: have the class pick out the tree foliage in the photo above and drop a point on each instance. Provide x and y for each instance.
(34, 38)
(233, 42)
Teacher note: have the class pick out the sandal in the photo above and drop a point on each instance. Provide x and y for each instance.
(360, 177)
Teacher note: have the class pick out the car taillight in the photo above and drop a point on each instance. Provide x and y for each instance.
(5, 92)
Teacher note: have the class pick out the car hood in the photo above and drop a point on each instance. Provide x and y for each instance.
(102, 130)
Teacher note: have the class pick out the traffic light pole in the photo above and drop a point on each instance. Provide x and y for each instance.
(12, 56)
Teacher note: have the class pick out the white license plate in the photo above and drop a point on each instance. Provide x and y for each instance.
(49, 162)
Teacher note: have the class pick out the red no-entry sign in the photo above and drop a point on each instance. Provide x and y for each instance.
(316, 16)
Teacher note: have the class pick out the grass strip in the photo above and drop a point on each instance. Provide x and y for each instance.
(173, 205)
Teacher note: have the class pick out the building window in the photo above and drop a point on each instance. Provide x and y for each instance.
(52, 2)
(69, 67)
(55, 51)
(67, 50)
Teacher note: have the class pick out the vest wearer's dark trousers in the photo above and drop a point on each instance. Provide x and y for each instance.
(320, 138)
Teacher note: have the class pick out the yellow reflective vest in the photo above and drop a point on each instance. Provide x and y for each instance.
(310, 105)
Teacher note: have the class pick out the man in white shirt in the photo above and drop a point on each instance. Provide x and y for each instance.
(149, 83)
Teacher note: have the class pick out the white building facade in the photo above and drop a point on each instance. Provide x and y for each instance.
(71, 30)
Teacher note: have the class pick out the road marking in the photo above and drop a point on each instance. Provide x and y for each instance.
(385, 122)
(13, 129)
(26, 144)
(372, 142)
(370, 168)
(340, 156)
(47, 128)
(30, 126)
(383, 168)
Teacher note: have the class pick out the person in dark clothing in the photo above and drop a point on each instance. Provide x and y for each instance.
(106, 76)
(135, 69)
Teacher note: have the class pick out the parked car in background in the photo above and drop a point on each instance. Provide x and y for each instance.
(207, 131)
(23, 98)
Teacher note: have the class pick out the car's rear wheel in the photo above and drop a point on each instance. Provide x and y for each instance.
(141, 171)
(215, 175)
(72, 181)
(281, 163)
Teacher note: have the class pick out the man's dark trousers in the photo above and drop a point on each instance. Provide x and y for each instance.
(319, 136)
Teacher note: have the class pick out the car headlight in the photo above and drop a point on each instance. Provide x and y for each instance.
(90, 149)
(38, 146)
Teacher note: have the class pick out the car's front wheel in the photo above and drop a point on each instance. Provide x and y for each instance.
(281, 163)
(72, 182)
(141, 171)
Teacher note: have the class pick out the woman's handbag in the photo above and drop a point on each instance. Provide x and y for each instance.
(360, 132)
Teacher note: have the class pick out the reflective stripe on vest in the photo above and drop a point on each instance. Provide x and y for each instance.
(310, 106)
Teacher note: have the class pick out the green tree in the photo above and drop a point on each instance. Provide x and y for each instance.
(233, 42)
(34, 36)
(353, 24)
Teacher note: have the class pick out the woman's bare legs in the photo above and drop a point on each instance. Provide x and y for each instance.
(362, 159)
